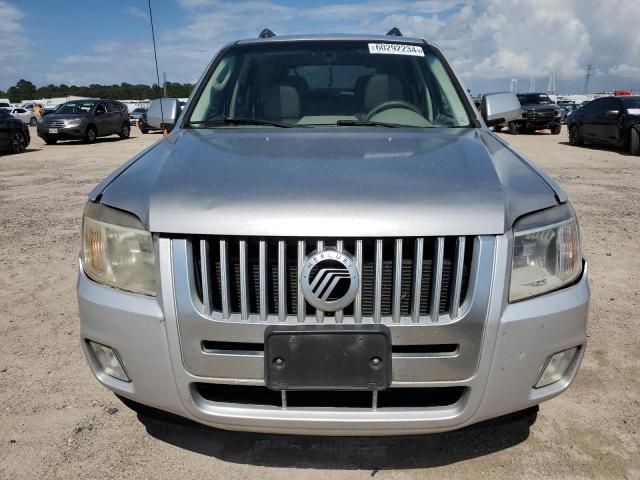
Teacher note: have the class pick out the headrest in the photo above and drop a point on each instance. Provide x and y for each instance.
(382, 88)
(281, 101)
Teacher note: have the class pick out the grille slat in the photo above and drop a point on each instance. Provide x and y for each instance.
(401, 280)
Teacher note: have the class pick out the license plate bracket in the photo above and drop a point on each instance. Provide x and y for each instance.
(53, 130)
(327, 357)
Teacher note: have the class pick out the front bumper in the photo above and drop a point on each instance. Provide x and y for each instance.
(64, 133)
(517, 340)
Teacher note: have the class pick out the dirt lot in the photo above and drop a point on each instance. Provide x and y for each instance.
(56, 421)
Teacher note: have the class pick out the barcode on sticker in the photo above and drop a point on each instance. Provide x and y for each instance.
(396, 49)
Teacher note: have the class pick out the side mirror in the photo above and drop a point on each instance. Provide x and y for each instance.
(498, 108)
(163, 113)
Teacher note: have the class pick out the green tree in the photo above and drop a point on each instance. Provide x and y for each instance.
(22, 90)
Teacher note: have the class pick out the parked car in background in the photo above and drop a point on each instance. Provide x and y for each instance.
(14, 133)
(26, 115)
(538, 113)
(44, 111)
(136, 114)
(85, 120)
(152, 119)
(359, 256)
(5, 105)
(613, 121)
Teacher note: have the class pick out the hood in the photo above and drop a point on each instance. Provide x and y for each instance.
(352, 182)
(65, 116)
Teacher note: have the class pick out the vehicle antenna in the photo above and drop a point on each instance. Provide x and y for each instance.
(155, 56)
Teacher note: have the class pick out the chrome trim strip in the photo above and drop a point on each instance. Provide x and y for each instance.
(377, 293)
(205, 274)
(319, 314)
(438, 258)
(302, 303)
(339, 315)
(458, 268)
(262, 260)
(357, 306)
(224, 280)
(417, 279)
(282, 283)
(397, 280)
(244, 281)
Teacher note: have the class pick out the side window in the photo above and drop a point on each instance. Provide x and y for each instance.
(101, 109)
(609, 104)
(112, 107)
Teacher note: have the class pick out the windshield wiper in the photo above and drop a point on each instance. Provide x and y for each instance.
(367, 123)
(241, 121)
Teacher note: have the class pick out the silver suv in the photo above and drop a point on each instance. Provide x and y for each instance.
(85, 120)
(331, 241)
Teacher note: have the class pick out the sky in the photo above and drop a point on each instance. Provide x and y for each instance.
(489, 42)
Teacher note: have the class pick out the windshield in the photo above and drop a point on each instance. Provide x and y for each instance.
(75, 107)
(534, 99)
(337, 83)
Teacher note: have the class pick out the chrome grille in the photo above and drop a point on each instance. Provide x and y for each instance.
(54, 123)
(401, 279)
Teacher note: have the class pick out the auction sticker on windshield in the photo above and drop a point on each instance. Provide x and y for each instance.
(396, 49)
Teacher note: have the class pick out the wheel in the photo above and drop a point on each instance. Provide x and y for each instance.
(574, 136)
(18, 142)
(33, 122)
(144, 130)
(50, 141)
(556, 128)
(90, 135)
(634, 141)
(497, 128)
(125, 131)
(514, 128)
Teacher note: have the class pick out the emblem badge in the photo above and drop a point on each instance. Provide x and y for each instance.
(329, 280)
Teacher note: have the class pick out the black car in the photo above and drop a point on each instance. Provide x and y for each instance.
(538, 113)
(14, 133)
(611, 121)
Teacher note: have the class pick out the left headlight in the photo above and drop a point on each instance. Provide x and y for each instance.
(117, 250)
(546, 252)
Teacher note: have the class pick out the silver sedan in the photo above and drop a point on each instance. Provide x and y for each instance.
(26, 115)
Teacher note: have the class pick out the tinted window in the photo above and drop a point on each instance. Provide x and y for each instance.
(607, 104)
(78, 107)
(534, 99)
(632, 105)
(320, 83)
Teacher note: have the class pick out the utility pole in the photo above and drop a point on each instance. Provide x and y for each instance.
(551, 87)
(514, 85)
(532, 85)
(587, 78)
(164, 81)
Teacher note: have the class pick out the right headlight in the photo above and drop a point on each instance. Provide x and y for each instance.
(73, 122)
(546, 252)
(117, 250)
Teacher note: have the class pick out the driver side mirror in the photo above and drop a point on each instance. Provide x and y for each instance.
(499, 108)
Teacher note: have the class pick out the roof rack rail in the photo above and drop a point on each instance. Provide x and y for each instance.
(395, 32)
(266, 33)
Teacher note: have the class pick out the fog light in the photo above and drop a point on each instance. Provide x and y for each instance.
(109, 361)
(556, 367)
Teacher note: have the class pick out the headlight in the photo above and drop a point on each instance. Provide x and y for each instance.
(74, 122)
(117, 250)
(546, 252)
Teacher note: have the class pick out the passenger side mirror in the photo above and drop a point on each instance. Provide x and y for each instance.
(498, 108)
(170, 111)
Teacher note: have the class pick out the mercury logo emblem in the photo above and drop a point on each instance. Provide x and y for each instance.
(329, 280)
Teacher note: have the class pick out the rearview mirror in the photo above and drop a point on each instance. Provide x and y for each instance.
(163, 113)
(498, 108)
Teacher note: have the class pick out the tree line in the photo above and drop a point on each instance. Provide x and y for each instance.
(26, 90)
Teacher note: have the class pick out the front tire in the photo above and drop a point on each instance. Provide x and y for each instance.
(574, 136)
(634, 141)
(144, 131)
(556, 128)
(90, 135)
(125, 131)
(514, 128)
(18, 142)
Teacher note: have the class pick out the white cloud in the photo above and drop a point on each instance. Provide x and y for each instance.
(488, 41)
(137, 13)
(14, 46)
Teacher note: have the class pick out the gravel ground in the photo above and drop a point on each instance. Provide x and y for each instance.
(56, 421)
